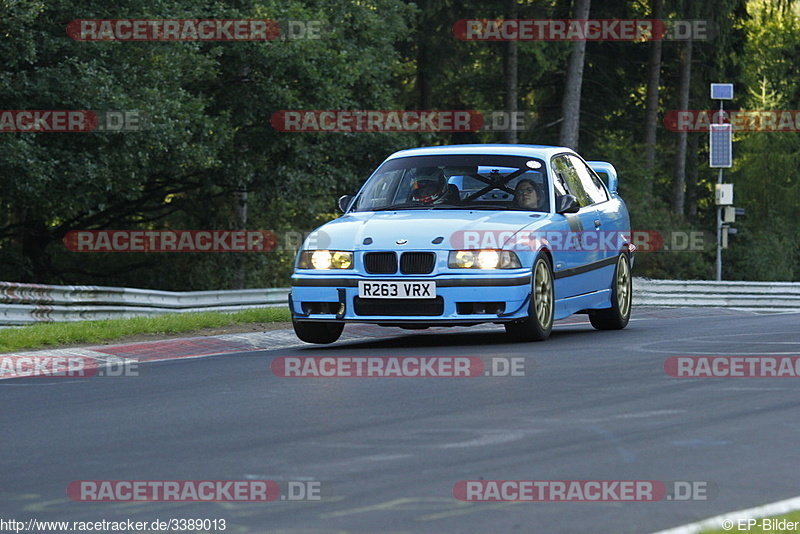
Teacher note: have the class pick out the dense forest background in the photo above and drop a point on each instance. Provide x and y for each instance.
(209, 158)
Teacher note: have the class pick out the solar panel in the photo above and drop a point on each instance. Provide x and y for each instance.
(722, 91)
(720, 141)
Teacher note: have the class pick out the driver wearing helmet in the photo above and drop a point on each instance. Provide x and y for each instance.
(429, 189)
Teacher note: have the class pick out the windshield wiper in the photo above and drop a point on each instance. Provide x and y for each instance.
(407, 205)
(485, 207)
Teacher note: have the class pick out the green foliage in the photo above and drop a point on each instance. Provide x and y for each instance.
(208, 107)
(766, 173)
(764, 252)
(650, 213)
(209, 104)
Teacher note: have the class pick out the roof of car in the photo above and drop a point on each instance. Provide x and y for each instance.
(537, 151)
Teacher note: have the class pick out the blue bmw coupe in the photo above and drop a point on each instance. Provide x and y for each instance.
(467, 234)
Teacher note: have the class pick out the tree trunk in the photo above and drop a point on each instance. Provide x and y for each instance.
(424, 75)
(571, 104)
(240, 216)
(679, 180)
(511, 79)
(35, 238)
(651, 102)
(692, 174)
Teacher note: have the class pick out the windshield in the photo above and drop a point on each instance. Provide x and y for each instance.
(457, 182)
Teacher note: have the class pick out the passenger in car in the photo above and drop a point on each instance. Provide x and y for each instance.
(528, 195)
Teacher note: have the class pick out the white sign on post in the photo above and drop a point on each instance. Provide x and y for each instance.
(724, 194)
(729, 214)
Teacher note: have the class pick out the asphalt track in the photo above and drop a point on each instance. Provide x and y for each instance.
(591, 406)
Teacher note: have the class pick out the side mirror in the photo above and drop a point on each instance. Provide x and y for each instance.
(567, 204)
(344, 202)
(607, 169)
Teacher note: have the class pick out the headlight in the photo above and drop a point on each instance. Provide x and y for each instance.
(325, 259)
(483, 259)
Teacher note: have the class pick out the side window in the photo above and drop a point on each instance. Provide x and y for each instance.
(567, 178)
(559, 183)
(379, 192)
(591, 182)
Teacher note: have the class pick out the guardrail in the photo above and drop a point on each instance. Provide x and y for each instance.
(701, 293)
(31, 303)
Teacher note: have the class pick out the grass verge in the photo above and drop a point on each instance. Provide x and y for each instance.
(51, 334)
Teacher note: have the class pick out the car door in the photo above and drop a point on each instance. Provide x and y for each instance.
(606, 222)
(572, 269)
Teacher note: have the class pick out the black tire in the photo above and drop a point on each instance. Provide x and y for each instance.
(317, 331)
(617, 316)
(539, 323)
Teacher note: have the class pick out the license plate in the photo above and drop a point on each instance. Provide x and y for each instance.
(420, 289)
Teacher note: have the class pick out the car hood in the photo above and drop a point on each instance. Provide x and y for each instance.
(419, 228)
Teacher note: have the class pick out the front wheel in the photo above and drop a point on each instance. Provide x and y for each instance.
(317, 331)
(539, 323)
(617, 316)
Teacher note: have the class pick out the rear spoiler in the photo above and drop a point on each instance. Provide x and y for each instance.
(603, 167)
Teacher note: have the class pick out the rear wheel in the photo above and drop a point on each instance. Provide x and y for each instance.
(617, 316)
(539, 323)
(317, 331)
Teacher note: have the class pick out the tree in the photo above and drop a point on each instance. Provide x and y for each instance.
(653, 81)
(679, 180)
(571, 105)
(209, 106)
(511, 75)
(766, 162)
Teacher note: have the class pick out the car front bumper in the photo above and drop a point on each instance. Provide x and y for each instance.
(470, 299)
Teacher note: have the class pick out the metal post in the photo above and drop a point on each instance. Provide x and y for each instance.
(721, 92)
(719, 235)
(719, 215)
